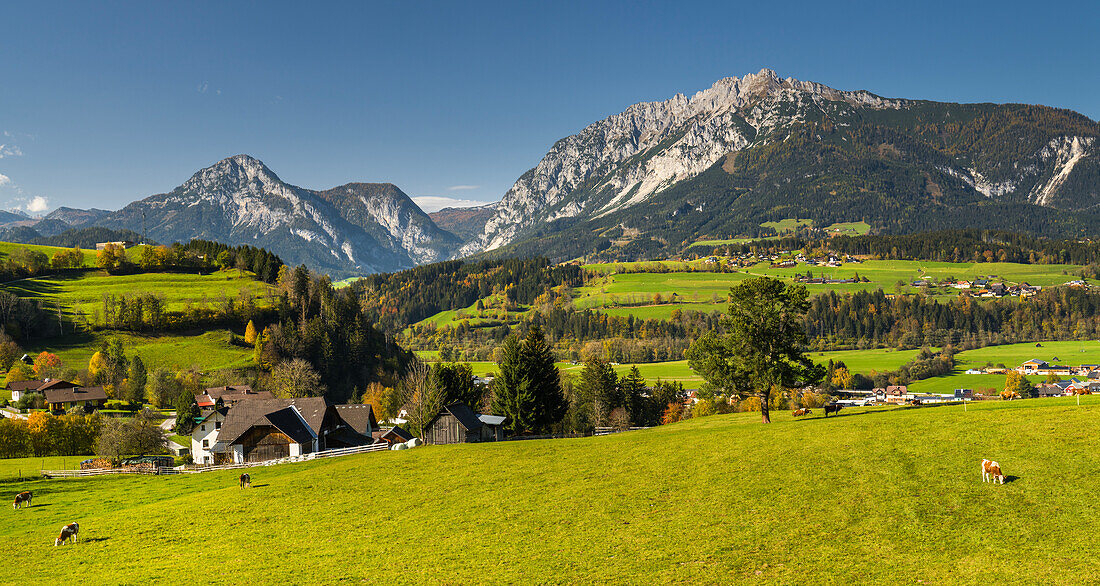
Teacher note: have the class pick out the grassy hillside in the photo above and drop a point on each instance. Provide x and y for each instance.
(206, 350)
(6, 248)
(84, 291)
(869, 496)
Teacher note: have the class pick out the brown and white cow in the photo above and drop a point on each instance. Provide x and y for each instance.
(801, 412)
(67, 532)
(992, 470)
(23, 498)
(245, 480)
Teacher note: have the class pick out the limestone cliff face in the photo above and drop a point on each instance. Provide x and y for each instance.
(625, 159)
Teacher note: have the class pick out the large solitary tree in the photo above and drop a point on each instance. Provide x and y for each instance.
(763, 350)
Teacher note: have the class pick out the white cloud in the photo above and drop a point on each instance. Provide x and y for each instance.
(38, 204)
(4, 179)
(203, 87)
(434, 203)
(462, 187)
(10, 150)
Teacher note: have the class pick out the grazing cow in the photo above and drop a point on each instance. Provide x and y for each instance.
(67, 532)
(992, 470)
(801, 412)
(832, 409)
(245, 480)
(23, 498)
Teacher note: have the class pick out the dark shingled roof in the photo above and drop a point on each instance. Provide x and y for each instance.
(287, 421)
(76, 394)
(26, 385)
(229, 395)
(358, 417)
(465, 416)
(57, 384)
(245, 414)
(396, 434)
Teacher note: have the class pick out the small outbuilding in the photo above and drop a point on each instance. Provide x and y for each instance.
(458, 424)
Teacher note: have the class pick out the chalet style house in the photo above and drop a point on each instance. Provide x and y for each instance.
(61, 395)
(458, 424)
(259, 429)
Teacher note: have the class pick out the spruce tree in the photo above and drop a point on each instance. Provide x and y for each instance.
(511, 390)
(544, 379)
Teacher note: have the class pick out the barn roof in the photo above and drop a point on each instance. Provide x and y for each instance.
(246, 414)
(491, 419)
(466, 417)
(397, 432)
(358, 417)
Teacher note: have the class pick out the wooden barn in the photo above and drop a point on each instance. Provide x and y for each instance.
(457, 424)
(256, 430)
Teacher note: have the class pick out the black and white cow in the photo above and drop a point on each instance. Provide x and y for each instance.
(245, 480)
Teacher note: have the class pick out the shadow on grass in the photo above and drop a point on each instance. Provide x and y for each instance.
(1009, 479)
(94, 539)
(259, 485)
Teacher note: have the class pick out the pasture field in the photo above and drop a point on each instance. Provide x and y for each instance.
(631, 293)
(1072, 353)
(84, 292)
(13, 468)
(848, 228)
(208, 350)
(883, 495)
(787, 224)
(6, 248)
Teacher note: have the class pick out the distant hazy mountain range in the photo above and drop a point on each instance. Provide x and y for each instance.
(662, 174)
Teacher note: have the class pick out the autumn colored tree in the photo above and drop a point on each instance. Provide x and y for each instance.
(46, 365)
(250, 333)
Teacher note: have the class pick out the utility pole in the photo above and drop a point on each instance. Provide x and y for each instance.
(144, 240)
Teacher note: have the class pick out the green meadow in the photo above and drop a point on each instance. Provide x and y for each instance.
(881, 495)
(1073, 353)
(84, 291)
(632, 293)
(6, 248)
(209, 350)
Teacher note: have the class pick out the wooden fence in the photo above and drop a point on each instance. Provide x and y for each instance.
(610, 430)
(104, 471)
(182, 470)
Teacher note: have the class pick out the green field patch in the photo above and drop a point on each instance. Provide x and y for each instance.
(6, 248)
(848, 228)
(209, 350)
(787, 225)
(84, 291)
(720, 499)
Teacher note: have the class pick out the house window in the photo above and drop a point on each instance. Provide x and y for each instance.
(205, 443)
(217, 425)
(202, 427)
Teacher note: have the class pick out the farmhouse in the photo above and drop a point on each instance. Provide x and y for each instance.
(63, 396)
(205, 434)
(256, 430)
(892, 394)
(458, 424)
(20, 388)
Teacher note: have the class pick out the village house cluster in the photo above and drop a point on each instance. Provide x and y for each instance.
(239, 425)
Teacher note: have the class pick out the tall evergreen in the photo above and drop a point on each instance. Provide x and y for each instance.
(511, 390)
(529, 390)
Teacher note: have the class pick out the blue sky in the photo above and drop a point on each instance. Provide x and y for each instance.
(101, 105)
